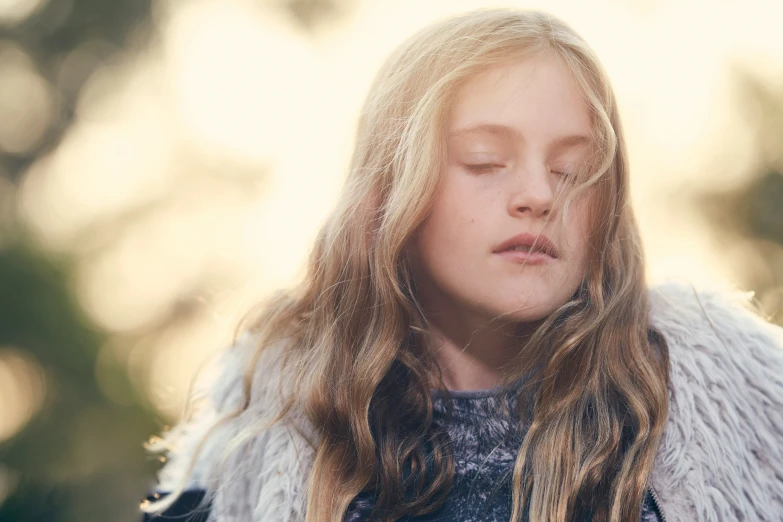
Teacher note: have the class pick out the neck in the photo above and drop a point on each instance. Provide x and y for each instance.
(472, 356)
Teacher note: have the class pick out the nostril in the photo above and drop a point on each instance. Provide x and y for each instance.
(544, 212)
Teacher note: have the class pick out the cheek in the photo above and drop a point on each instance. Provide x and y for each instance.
(456, 217)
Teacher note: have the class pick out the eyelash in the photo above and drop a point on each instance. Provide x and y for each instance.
(484, 168)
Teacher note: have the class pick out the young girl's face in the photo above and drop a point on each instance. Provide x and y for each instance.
(514, 130)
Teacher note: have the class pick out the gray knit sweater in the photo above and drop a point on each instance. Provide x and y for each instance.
(485, 444)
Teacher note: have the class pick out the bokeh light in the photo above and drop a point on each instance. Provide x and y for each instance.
(16, 11)
(22, 389)
(27, 106)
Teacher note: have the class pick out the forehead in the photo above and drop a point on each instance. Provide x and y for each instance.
(533, 98)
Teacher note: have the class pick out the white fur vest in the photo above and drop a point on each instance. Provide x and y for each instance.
(720, 458)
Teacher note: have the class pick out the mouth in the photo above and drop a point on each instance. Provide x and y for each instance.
(528, 258)
(528, 246)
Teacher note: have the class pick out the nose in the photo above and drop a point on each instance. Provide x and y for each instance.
(532, 192)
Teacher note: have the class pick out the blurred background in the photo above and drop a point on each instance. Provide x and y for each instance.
(164, 165)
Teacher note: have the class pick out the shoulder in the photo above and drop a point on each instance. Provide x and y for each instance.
(678, 305)
(229, 446)
(718, 331)
(222, 410)
(721, 455)
(191, 447)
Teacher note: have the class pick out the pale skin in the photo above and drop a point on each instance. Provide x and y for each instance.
(514, 130)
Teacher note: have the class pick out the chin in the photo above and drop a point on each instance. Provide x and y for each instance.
(532, 309)
(523, 313)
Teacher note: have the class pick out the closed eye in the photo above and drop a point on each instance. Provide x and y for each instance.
(567, 176)
(483, 168)
(486, 168)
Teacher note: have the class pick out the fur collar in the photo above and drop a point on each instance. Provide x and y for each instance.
(720, 458)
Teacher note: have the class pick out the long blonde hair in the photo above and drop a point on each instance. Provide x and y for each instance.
(353, 326)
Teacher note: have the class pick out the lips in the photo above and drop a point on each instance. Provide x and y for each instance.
(534, 243)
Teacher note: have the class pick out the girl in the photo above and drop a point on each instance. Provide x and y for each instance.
(474, 339)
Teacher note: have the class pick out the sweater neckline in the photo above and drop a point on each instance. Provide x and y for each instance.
(467, 394)
(484, 393)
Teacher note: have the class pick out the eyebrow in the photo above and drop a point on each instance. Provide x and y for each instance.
(511, 132)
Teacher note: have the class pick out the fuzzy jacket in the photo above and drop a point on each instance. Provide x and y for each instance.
(720, 457)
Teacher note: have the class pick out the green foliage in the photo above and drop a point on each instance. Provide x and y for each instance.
(56, 30)
(751, 213)
(81, 457)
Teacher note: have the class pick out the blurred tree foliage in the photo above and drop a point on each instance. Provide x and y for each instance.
(56, 30)
(80, 458)
(750, 215)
